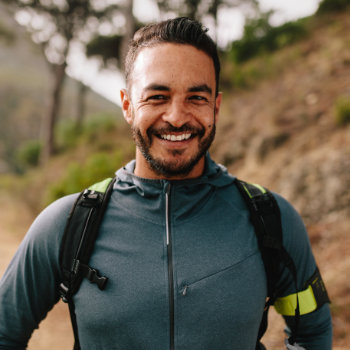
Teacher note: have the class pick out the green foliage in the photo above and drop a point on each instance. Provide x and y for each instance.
(244, 76)
(106, 47)
(77, 177)
(97, 124)
(28, 154)
(68, 135)
(327, 6)
(342, 111)
(260, 37)
(109, 47)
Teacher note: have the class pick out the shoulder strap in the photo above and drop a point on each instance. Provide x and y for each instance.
(266, 219)
(78, 241)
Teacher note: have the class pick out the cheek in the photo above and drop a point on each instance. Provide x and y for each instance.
(142, 121)
(147, 115)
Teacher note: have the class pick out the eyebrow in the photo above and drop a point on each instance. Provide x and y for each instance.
(200, 88)
(196, 88)
(156, 87)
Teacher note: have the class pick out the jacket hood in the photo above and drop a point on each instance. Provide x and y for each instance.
(215, 175)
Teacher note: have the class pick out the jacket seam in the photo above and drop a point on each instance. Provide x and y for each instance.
(224, 269)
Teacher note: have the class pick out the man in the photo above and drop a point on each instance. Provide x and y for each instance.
(184, 267)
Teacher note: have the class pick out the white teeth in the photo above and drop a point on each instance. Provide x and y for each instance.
(176, 138)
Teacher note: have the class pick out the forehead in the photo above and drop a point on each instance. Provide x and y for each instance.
(173, 65)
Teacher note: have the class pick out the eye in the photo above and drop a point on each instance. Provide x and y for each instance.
(157, 97)
(198, 98)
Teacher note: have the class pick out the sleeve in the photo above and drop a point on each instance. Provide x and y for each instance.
(315, 327)
(29, 286)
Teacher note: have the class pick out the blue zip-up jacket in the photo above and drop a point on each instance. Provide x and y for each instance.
(183, 266)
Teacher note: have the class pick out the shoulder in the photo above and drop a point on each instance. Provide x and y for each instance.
(296, 242)
(294, 230)
(28, 288)
(44, 236)
(295, 236)
(54, 217)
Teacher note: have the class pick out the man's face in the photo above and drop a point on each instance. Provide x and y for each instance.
(172, 109)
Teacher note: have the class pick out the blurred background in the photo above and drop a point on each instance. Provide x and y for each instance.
(284, 122)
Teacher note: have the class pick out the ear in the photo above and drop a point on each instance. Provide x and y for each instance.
(126, 105)
(217, 105)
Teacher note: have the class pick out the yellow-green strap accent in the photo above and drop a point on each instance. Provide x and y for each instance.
(101, 186)
(307, 303)
(260, 188)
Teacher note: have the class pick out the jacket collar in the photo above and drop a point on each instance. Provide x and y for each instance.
(214, 175)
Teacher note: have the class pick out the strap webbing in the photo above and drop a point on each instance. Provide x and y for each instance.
(266, 219)
(78, 242)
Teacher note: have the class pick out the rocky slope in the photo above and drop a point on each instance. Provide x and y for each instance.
(283, 131)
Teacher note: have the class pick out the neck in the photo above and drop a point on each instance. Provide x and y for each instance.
(144, 170)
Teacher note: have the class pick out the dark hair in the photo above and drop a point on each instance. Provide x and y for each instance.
(181, 30)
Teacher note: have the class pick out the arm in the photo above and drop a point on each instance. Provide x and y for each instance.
(315, 328)
(28, 289)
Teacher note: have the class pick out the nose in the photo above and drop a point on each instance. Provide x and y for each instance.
(177, 114)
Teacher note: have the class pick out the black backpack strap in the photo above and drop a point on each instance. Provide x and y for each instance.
(78, 242)
(266, 219)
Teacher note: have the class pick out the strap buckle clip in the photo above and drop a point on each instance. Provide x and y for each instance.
(63, 291)
(90, 273)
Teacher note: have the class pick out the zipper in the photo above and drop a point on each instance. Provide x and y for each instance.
(170, 265)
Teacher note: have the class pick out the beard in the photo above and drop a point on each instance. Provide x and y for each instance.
(175, 167)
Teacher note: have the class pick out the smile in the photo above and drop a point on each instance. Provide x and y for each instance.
(181, 137)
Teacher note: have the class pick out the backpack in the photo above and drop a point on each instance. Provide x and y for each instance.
(87, 213)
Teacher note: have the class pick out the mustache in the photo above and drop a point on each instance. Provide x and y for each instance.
(186, 128)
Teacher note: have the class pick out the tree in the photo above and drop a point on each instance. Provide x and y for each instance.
(112, 49)
(6, 35)
(216, 5)
(55, 25)
(130, 28)
(328, 6)
(80, 107)
(107, 48)
(198, 9)
(202, 10)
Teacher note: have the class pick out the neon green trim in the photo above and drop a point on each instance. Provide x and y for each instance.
(260, 188)
(307, 303)
(247, 191)
(101, 186)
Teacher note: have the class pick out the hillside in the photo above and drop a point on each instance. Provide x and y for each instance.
(25, 91)
(280, 132)
(283, 131)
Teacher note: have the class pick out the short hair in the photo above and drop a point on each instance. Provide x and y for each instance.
(180, 30)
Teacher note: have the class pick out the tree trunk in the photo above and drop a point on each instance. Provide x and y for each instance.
(54, 107)
(82, 89)
(130, 27)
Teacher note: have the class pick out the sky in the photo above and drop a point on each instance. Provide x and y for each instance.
(109, 82)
